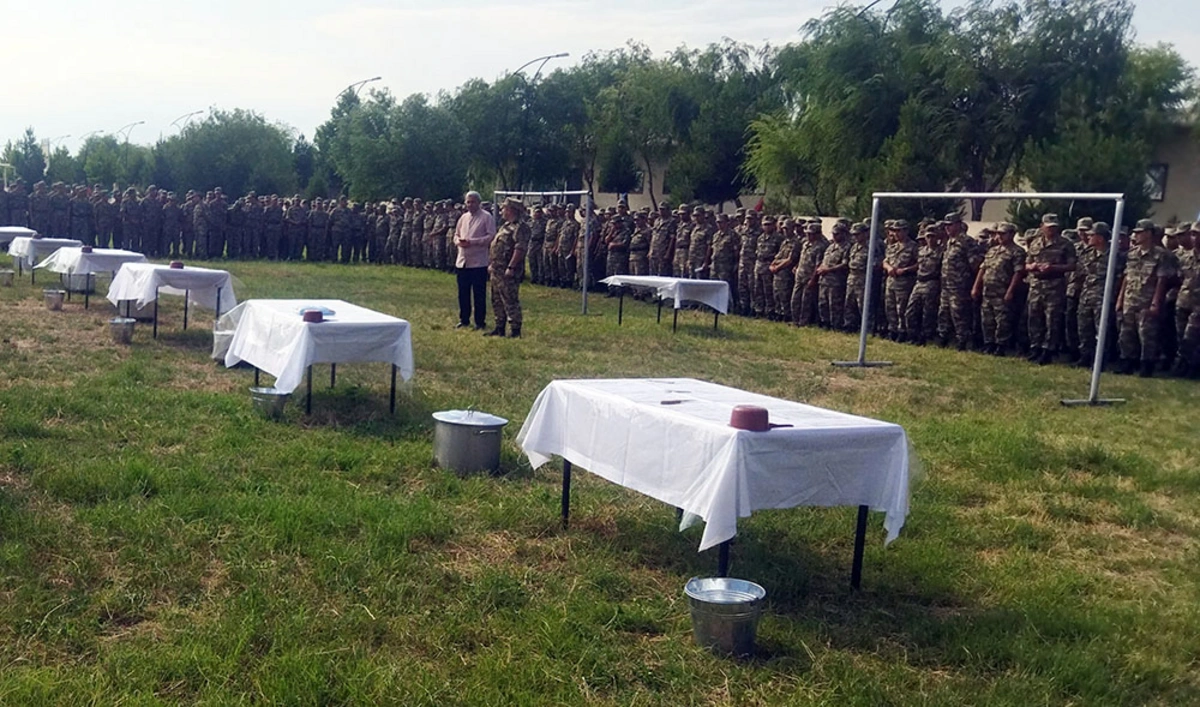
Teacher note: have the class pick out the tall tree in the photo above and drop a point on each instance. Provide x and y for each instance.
(26, 157)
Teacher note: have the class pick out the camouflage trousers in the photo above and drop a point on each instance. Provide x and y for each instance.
(956, 314)
(679, 267)
(1047, 308)
(1071, 322)
(895, 303)
(1189, 339)
(750, 296)
(999, 319)
(659, 265)
(617, 263)
(1139, 337)
(922, 311)
(831, 301)
(551, 268)
(852, 304)
(566, 272)
(639, 263)
(782, 283)
(1087, 320)
(506, 301)
(804, 302)
(537, 263)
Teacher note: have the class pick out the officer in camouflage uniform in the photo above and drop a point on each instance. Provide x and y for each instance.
(961, 257)
(537, 239)
(131, 221)
(235, 232)
(18, 205)
(272, 228)
(752, 299)
(1149, 271)
(551, 272)
(1091, 274)
(1081, 241)
(103, 215)
(432, 237)
(255, 226)
(80, 216)
(1048, 260)
(295, 230)
(639, 246)
(60, 206)
(172, 226)
(39, 209)
(318, 232)
(767, 243)
(620, 232)
(805, 290)
(831, 278)
(782, 269)
(922, 311)
(151, 223)
(661, 238)
(995, 287)
(567, 248)
(506, 267)
(900, 269)
(725, 246)
(1187, 313)
(683, 241)
(700, 248)
(340, 226)
(856, 276)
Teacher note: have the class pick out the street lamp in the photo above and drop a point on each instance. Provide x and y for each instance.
(525, 109)
(353, 88)
(128, 129)
(55, 141)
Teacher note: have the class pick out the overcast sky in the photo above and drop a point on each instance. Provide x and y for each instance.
(76, 67)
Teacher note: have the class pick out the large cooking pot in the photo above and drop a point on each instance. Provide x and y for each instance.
(467, 441)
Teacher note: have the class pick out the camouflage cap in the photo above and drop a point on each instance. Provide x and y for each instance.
(740, 211)
(784, 222)
(1183, 227)
(515, 204)
(1144, 225)
(952, 217)
(1050, 220)
(722, 216)
(859, 228)
(812, 228)
(899, 225)
(1084, 224)
(1101, 229)
(768, 219)
(1006, 227)
(843, 221)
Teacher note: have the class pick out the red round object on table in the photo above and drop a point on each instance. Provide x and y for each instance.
(176, 265)
(750, 417)
(313, 316)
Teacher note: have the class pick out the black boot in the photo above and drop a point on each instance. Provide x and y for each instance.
(1034, 355)
(1147, 369)
(516, 332)
(1045, 357)
(1085, 359)
(498, 331)
(1125, 366)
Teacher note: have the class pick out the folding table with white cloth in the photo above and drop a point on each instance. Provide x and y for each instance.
(27, 250)
(8, 233)
(670, 439)
(272, 336)
(714, 293)
(141, 283)
(75, 261)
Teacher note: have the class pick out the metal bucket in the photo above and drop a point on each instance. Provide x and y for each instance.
(725, 613)
(121, 329)
(129, 308)
(54, 299)
(467, 441)
(82, 283)
(269, 402)
(6, 278)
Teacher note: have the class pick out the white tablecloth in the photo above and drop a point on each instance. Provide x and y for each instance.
(273, 336)
(30, 249)
(141, 282)
(687, 455)
(714, 293)
(73, 261)
(8, 233)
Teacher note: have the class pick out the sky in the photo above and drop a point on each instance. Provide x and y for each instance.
(89, 66)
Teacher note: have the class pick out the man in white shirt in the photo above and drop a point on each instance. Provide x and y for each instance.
(473, 235)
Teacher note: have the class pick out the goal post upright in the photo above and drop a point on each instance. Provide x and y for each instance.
(1106, 312)
(589, 207)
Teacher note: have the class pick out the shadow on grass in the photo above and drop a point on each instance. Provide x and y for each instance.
(363, 411)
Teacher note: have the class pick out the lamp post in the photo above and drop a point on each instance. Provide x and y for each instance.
(354, 87)
(525, 109)
(125, 153)
(186, 118)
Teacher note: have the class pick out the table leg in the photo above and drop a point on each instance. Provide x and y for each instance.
(256, 376)
(155, 312)
(659, 319)
(723, 559)
(566, 493)
(187, 295)
(675, 321)
(860, 537)
(308, 398)
(66, 286)
(87, 290)
(621, 306)
(218, 306)
(332, 374)
(716, 318)
(392, 404)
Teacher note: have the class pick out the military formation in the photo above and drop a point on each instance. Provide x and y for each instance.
(1038, 294)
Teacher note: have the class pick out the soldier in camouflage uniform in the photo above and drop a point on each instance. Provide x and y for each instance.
(151, 223)
(777, 301)
(18, 205)
(1091, 274)
(80, 215)
(432, 238)
(537, 240)
(700, 248)
(39, 209)
(1187, 313)
(103, 215)
(568, 241)
(725, 248)
(639, 246)
(661, 237)
(752, 298)
(1082, 238)
(620, 231)
(131, 221)
(235, 231)
(295, 230)
(683, 241)
(922, 311)
(172, 226)
(254, 226)
(1148, 274)
(1048, 259)
(805, 290)
(961, 257)
(551, 272)
(831, 278)
(995, 287)
(506, 267)
(856, 276)
(340, 226)
(900, 268)
(318, 232)
(417, 233)
(60, 206)
(272, 228)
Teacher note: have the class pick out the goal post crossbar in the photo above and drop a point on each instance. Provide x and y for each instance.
(1109, 282)
(589, 225)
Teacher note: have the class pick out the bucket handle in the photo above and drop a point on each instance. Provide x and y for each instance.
(487, 432)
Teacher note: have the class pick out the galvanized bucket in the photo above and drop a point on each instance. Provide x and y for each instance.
(129, 308)
(467, 441)
(6, 278)
(82, 283)
(54, 299)
(121, 329)
(269, 402)
(725, 613)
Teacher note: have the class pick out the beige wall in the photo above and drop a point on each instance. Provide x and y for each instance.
(1181, 154)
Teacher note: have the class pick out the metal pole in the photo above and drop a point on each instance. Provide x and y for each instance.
(566, 494)
(587, 243)
(860, 537)
(868, 292)
(392, 401)
(1106, 311)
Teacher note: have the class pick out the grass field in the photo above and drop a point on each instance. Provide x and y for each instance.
(161, 543)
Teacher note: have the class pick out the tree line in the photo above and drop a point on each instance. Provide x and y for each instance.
(1049, 95)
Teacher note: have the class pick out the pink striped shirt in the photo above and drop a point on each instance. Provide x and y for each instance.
(478, 230)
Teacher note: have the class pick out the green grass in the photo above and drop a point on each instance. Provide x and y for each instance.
(160, 543)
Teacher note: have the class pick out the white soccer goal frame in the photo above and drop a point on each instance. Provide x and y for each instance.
(1109, 281)
(589, 224)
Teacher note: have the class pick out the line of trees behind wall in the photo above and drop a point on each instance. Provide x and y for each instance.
(1036, 94)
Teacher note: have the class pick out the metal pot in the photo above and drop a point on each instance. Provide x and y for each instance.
(467, 441)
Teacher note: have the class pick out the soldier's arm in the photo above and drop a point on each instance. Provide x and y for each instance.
(1161, 286)
(977, 288)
